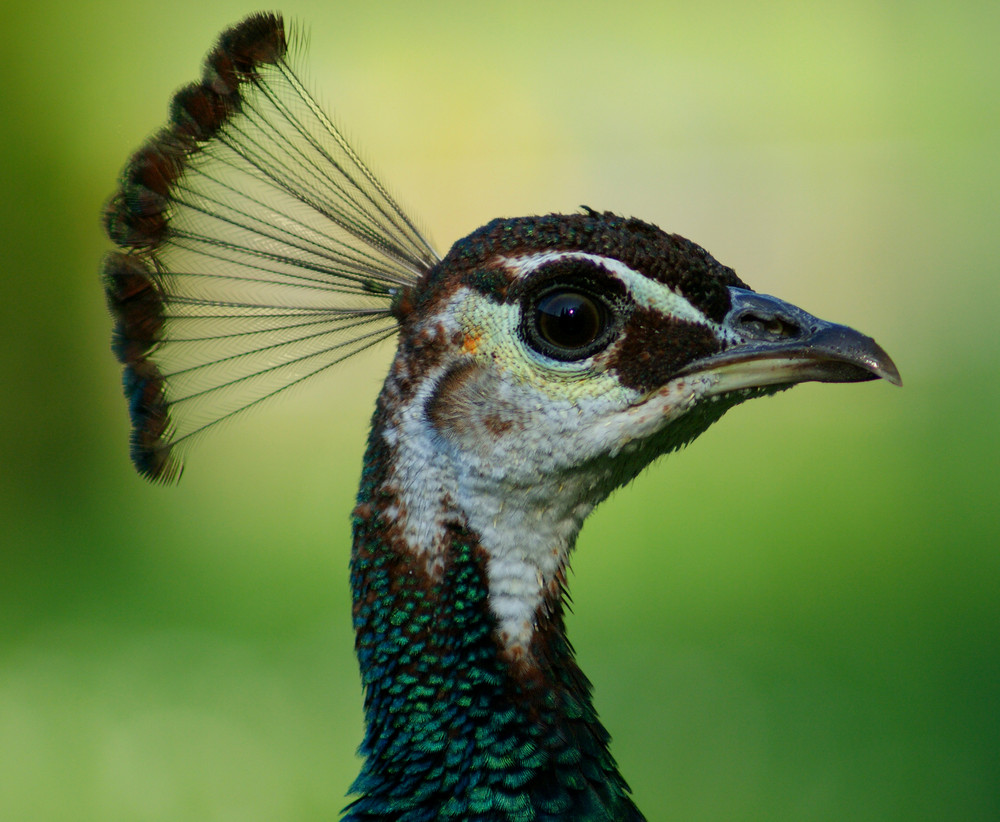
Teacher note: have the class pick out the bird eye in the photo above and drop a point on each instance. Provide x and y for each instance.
(567, 324)
(568, 319)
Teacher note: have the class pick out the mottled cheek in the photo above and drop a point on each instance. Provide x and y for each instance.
(466, 408)
(654, 347)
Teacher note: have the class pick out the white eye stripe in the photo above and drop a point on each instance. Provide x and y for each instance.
(645, 292)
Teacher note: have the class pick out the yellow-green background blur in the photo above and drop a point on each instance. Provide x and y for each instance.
(797, 618)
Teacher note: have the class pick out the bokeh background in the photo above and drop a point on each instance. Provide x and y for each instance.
(797, 618)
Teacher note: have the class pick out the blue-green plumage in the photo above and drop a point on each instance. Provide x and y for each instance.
(453, 730)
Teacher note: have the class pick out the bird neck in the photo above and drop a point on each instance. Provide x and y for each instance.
(472, 711)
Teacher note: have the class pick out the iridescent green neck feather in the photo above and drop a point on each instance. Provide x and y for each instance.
(475, 707)
(454, 728)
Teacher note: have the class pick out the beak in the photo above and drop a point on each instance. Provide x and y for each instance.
(776, 343)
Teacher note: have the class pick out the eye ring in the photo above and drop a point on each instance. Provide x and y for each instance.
(567, 323)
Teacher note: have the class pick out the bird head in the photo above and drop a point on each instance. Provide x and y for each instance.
(569, 351)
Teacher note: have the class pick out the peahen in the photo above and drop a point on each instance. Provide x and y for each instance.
(542, 363)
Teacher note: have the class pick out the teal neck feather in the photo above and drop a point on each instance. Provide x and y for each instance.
(455, 728)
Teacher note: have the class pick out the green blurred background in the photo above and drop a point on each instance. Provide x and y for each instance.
(795, 619)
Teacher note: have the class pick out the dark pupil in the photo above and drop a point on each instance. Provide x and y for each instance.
(568, 319)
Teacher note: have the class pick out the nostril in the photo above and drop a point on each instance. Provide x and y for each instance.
(761, 326)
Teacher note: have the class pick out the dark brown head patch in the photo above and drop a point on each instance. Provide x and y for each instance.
(654, 347)
(667, 258)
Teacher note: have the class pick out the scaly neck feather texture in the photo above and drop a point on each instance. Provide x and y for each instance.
(457, 725)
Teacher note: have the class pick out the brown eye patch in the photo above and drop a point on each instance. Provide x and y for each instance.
(654, 347)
